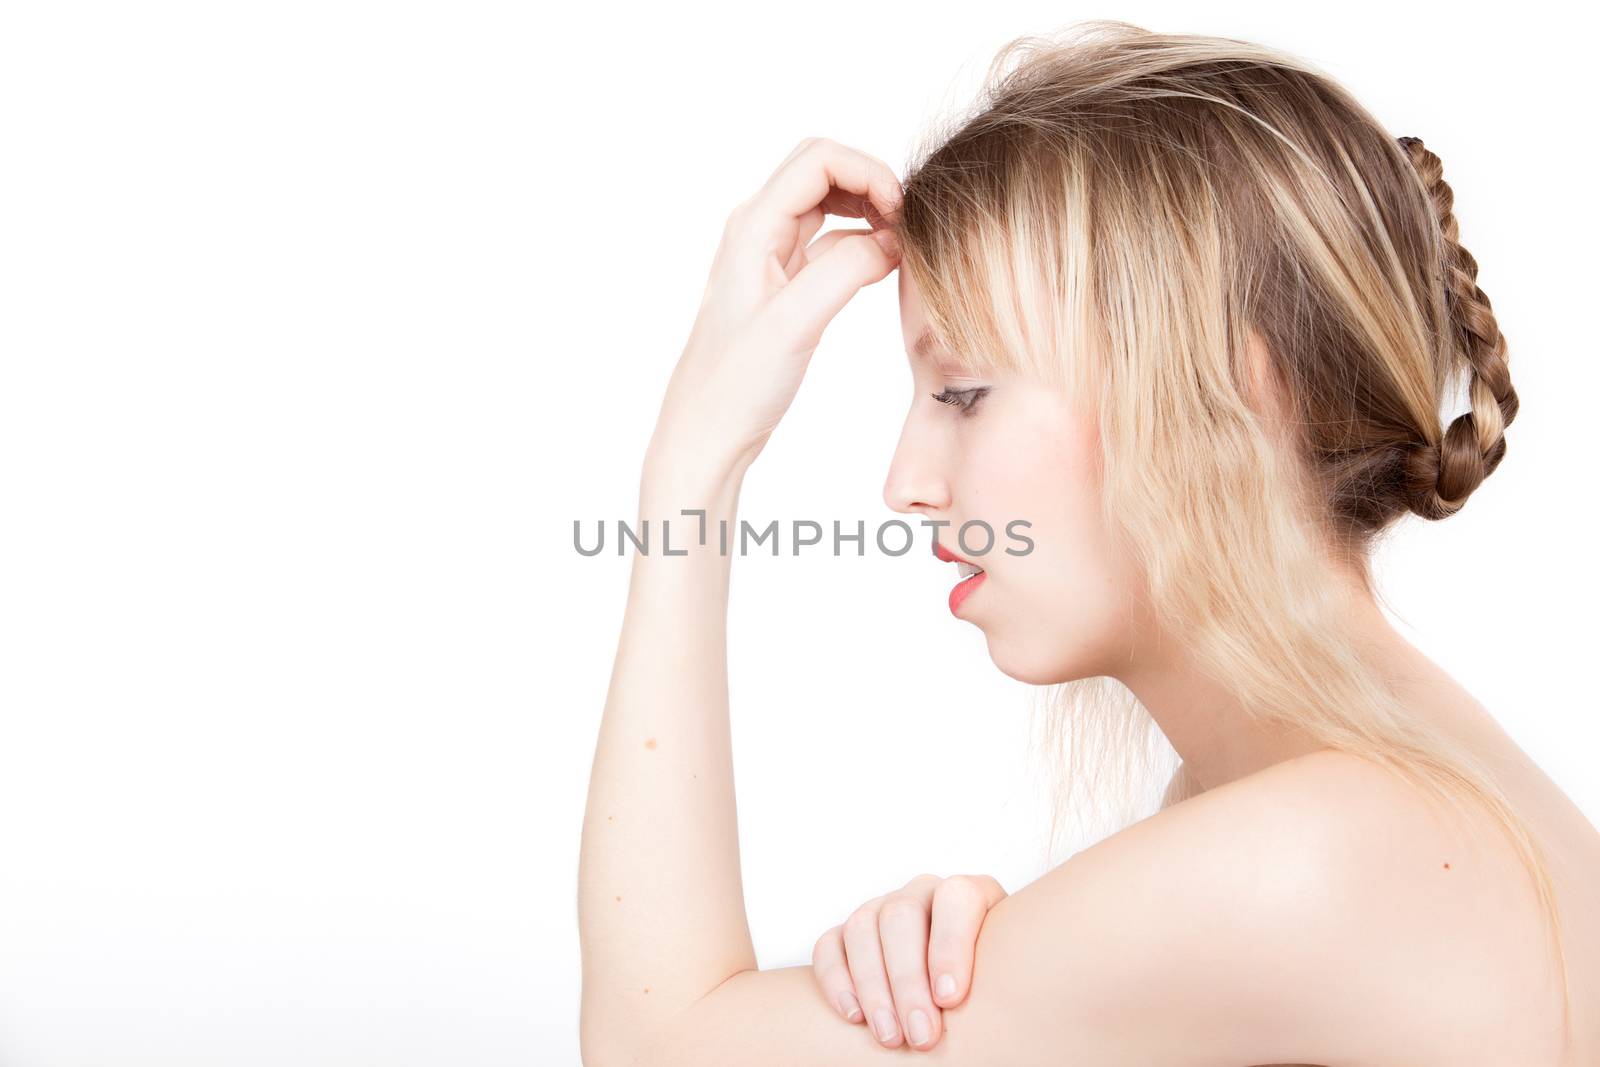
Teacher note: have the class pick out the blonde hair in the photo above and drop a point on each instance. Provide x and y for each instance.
(1118, 215)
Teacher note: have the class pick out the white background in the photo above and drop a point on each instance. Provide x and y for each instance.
(322, 322)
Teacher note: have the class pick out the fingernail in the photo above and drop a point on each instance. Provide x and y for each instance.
(848, 1006)
(884, 1024)
(946, 986)
(918, 1025)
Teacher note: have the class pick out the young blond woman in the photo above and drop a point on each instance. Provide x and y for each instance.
(1192, 311)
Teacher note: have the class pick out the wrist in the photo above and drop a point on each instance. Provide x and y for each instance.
(693, 477)
(690, 500)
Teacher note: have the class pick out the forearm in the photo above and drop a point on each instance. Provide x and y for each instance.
(660, 899)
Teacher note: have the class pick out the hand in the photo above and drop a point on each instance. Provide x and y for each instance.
(884, 966)
(769, 296)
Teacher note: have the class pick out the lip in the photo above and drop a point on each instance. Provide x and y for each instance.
(966, 586)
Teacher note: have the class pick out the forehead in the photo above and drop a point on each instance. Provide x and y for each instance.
(922, 345)
(919, 340)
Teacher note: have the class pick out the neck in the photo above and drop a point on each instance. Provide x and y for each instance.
(1219, 742)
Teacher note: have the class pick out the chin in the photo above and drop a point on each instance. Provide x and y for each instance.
(1042, 655)
(1035, 666)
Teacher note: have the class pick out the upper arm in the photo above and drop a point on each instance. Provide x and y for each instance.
(1302, 914)
(1210, 931)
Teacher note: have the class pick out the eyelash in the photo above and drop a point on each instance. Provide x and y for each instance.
(958, 397)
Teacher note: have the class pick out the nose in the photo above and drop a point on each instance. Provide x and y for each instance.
(915, 482)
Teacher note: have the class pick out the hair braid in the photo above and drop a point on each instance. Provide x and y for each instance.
(1441, 475)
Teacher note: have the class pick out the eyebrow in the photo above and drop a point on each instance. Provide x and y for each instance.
(925, 343)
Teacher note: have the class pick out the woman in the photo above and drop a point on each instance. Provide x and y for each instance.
(1187, 308)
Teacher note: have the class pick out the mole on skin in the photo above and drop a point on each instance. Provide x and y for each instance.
(651, 743)
(1447, 866)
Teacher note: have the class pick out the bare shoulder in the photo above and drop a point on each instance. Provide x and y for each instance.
(1319, 911)
(1305, 914)
(1404, 917)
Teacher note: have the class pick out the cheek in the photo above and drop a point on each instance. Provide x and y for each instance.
(1061, 613)
(1041, 466)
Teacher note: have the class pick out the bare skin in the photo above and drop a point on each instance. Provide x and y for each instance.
(929, 929)
(1302, 907)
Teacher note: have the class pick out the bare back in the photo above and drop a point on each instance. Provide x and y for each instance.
(1504, 930)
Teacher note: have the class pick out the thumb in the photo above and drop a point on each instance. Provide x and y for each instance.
(802, 309)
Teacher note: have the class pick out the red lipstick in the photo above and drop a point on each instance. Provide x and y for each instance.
(965, 587)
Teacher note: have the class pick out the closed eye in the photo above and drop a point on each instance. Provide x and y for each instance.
(962, 399)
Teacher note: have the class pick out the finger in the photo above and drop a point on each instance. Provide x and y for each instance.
(960, 904)
(810, 223)
(837, 200)
(804, 143)
(810, 176)
(798, 313)
(819, 175)
(903, 933)
(815, 249)
(832, 973)
(865, 956)
(851, 205)
(804, 253)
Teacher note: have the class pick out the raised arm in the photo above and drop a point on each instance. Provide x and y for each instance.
(660, 901)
